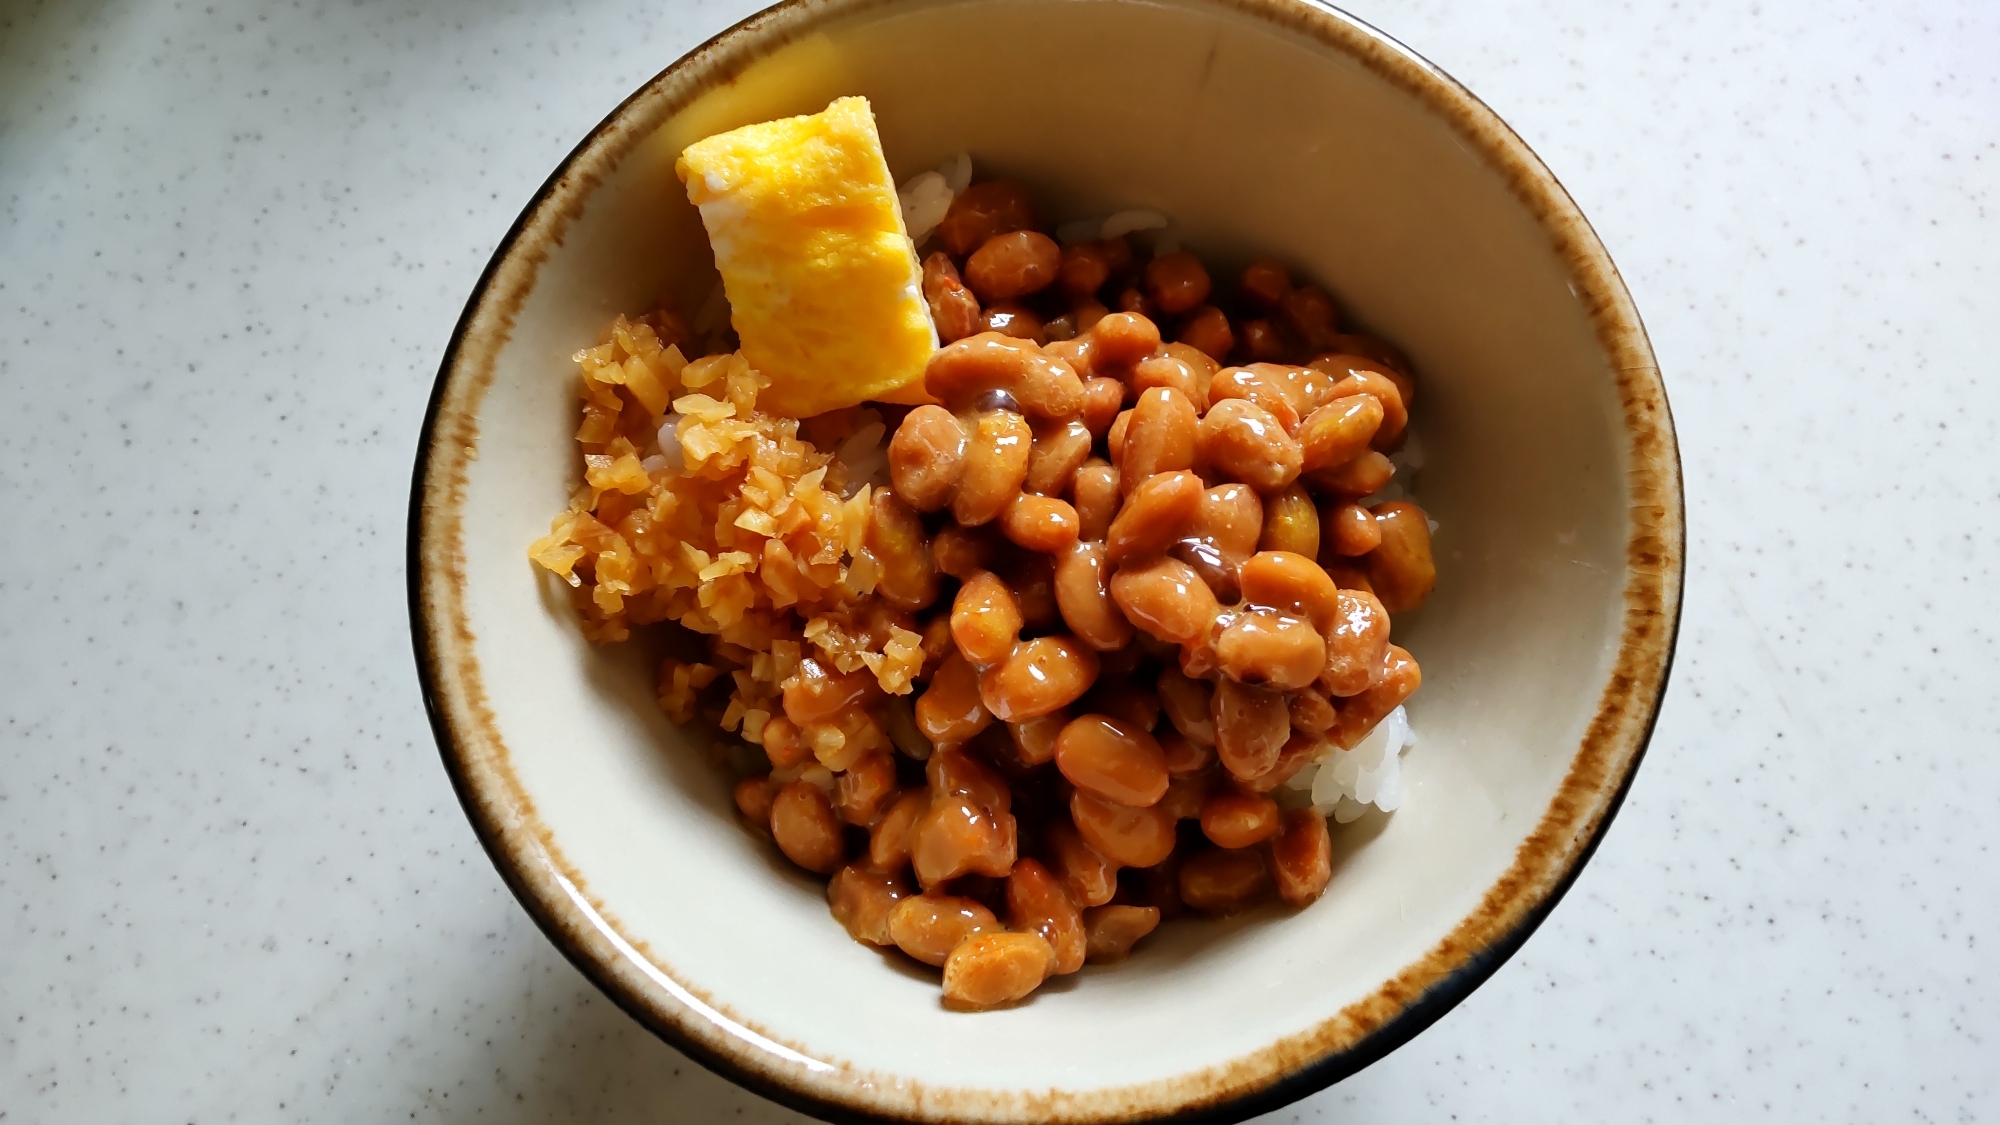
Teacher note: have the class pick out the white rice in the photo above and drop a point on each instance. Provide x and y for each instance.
(1409, 462)
(957, 172)
(1131, 221)
(866, 457)
(1345, 783)
(925, 199)
(670, 445)
(926, 196)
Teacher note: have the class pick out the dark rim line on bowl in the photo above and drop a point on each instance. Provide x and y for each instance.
(1654, 547)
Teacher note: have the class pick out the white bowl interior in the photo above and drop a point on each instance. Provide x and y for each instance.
(1256, 140)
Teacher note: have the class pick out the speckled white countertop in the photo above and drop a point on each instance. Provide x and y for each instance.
(235, 885)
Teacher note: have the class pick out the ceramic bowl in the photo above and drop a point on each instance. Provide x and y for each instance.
(1262, 127)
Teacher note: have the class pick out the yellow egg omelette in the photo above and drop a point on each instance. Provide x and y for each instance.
(824, 288)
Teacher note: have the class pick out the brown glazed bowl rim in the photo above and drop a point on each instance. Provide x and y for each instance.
(1543, 870)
